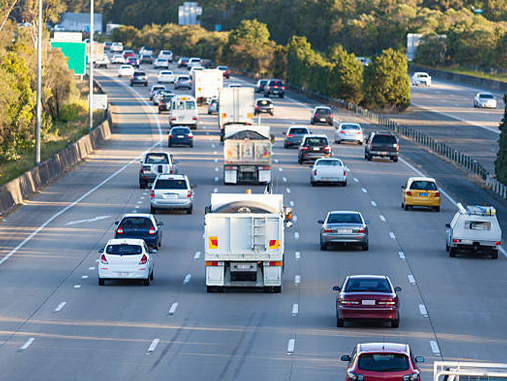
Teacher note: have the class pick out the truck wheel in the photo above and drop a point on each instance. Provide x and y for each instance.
(340, 322)
(452, 252)
(101, 282)
(494, 254)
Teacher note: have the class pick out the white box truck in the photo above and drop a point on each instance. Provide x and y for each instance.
(207, 84)
(469, 371)
(236, 106)
(244, 241)
(247, 154)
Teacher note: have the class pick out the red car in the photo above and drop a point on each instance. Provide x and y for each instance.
(382, 361)
(225, 71)
(128, 53)
(367, 297)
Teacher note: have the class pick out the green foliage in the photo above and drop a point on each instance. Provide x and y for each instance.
(432, 50)
(501, 156)
(347, 74)
(386, 81)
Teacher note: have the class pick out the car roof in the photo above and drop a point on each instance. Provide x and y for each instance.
(367, 276)
(144, 215)
(127, 241)
(344, 212)
(171, 177)
(263, 99)
(349, 123)
(157, 153)
(315, 136)
(329, 159)
(296, 126)
(412, 179)
(173, 127)
(326, 107)
(383, 347)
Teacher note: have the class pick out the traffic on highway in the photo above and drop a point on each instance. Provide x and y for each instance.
(269, 237)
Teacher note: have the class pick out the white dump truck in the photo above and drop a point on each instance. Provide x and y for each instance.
(247, 154)
(244, 241)
(469, 371)
(474, 229)
(207, 84)
(236, 106)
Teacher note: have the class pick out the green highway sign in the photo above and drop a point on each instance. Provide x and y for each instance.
(75, 53)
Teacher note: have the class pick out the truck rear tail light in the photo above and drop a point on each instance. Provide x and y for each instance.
(224, 115)
(194, 118)
(497, 243)
(152, 194)
(265, 168)
(120, 230)
(230, 167)
(173, 118)
(211, 263)
(273, 263)
(151, 231)
(103, 259)
(143, 260)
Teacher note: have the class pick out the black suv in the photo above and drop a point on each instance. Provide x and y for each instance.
(139, 78)
(322, 114)
(314, 147)
(274, 87)
(381, 144)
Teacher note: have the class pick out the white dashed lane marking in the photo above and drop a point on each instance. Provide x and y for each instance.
(60, 306)
(173, 308)
(27, 344)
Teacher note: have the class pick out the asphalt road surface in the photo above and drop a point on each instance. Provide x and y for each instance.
(57, 324)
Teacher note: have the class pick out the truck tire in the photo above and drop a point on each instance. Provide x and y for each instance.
(452, 252)
(494, 254)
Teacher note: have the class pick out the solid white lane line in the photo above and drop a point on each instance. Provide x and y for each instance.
(60, 306)
(91, 268)
(187, 278)
(401, 254)
(216, 179)
(299, 103)
(77, 286)
(27, 344)
(391, 234)
(84, 276)
(297, 255)
(422, 310)
(295, 309)
(356, 180)
(364, 190)
(284, 179)
(197, 255)
(173, 308)
(280, 169)
(153, 345)
(288, 190)
(215, 190)
(373, 203)
(290, 346)
(297, 279)
(291, 203)
(382, 218)
(296, 235)
(411, 279)
(434, 347)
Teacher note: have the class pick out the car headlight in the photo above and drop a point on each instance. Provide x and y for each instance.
(356, 376)
(411, 377)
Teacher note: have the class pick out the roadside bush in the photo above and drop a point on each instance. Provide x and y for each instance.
(501, 156)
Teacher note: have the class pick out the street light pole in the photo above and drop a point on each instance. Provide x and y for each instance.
(39, 91)
(90, 97)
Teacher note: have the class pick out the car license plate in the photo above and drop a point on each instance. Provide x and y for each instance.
(248, 169)
(368, 302)
(124, 274)
(466, 241)
(170, 195)
(243, 266)
(326, 179)
(344, 231)
(180, 136)
(383, 153)
(423, 194)
(315, 148)
(322, 119)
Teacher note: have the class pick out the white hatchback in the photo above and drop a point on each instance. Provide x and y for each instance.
(126, 71)
(421, 79)
(126, 259)
(161, 62)
(329, 170)
(349, 132)
(165, 76)
(118, 59)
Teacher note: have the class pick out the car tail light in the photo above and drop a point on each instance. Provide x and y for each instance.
(387, 302)
(143, 260)
(132, 77)
(189, 194)
(359, 133)
(330, 115)
(497, 243)
(283, 87)
(304, 148)
(454, 240)
(275, 87)
(152, 194)
(290, 135)
(268, 87)
(397, 146)
(190, 135)
(344, 173)
(360, 230)
(342, 132)
(327, 148)
(194, 118)
(152, 230)
(354, 376)
(411, 377)
(173, 118)
(315, 115)
(265, 168)
(103, 259)
(120, 230)
(349, 302)
(328, 230)
(409, 193)
(437, 194)
(315, 172)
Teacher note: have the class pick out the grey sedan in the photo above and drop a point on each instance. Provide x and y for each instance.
(344, 227)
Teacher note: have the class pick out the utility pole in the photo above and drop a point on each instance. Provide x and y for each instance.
(39, 91)
(90, 97)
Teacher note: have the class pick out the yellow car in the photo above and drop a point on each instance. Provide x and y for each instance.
(420, 191)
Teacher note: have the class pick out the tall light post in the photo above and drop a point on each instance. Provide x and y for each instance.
(90, 97)
(39, 91)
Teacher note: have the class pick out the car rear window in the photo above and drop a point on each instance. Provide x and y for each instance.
(180, 131)
(124, 249)
(298, 131)
(170, 184)
(487, 96)
(276, 83)
(384, 139)
(323, 111)
(423, 185)
(139, 74)
(350, 127)
(478, 225)
(344, 218)
(311, 142)
(166, 72)
(154, 158)
(183, 78)
(264, 102)
(367, 285)
(329, 163)
(136, 223)
(383, 362)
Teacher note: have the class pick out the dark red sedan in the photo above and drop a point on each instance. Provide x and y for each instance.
(382, 361)
(367, 297)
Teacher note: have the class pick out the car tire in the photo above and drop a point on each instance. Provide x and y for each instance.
(131, 84)
(169, 144)
(145, 84)
(153, 210)
(364, 247)
(406, 207)
(494, 254)
(146, 282)
(189, 210)
(395, 323)
(395, 159)
(360, 143)
(330, 123)
(272, 113)
(323, 246)
(340, 322)
(192, 145)
(369, 157)
(437, 208)
(343, 183)
(446, 246)
(312, 122)
(452, 252)
(151, 276)
(312, 183)
(101, 282)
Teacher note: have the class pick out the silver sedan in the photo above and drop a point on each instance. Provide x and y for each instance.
(329, 170)
(344, 227)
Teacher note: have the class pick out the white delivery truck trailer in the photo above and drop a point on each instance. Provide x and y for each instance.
(469, 371)
(244, 241)
(207, 84)
(247, 154)
(236, 106)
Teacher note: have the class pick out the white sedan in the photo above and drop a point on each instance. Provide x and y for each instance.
(126, 71)
(126, 259)
(348, 132)
(421, 78)
(165, 76)
(485, 100)
(161, 63)
(118, 59)
(329, 170)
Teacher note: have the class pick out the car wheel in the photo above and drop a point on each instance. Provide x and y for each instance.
(344, 183)
(151, 276)
(360, 142)
(395, 159)
(153, 210)
(189, 210)
(494, 254)
(312, 183)
(323, 246)
(452, 252)
(364, 247)
(272, 113)
(101, 282)
(146, 84)
(340, 322)
(406, 207)
(146, 282)
(169, 144)
(281, 95)
(191, 145)
(312, 122)
(369, 157)
(395, 323)
(437, 208)
(209, 113)
(330, 123)
(131, 85)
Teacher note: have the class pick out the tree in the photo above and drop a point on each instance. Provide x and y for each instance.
(386, 81)
(432, 50)
(347, 75)
(501, 156)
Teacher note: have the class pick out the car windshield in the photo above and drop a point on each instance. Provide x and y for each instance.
(367, 285)
(154, 158)
(180, 131)
(124, 249)
(383, 362)
(423, 185)
(166, 73)
(387, 139)
(161, 60)
(350, 127)
(316, 142)
(263, 81)
(136, 223)
(478, 225)
(170, 184)
(486, 96)
(264, 102)
(298, 131)
(344, 218)
(139, 74)
(329, 163)
(323, 111)
(423, 75)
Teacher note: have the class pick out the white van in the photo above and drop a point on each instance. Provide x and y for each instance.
(183, 111)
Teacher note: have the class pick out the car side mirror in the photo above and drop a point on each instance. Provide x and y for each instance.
(284, 133)
(448, 226)
(419, 359)
(336, 288)
(193, 186)
(366, 222)
(153, 251)
(160, 223)
(116, 222)
(207, 209)
(320, 221)
(101, 250)
(397, 289)
(345, 358)
(403, 187)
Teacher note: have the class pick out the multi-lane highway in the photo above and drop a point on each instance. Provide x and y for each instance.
(56, 323)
